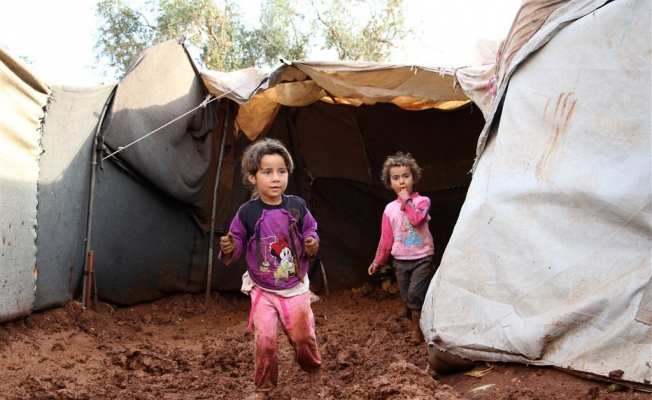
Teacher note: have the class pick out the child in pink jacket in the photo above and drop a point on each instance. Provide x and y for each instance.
(405, 235)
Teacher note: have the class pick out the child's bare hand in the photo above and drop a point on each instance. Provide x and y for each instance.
(311, 245)
(404, 194)
(373, 268)
(227, 243)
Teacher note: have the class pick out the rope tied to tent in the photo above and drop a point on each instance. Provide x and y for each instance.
(209, 99)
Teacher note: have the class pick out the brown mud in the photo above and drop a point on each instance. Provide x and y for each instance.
(176, 348)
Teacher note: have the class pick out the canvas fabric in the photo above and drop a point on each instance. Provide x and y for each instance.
(549, 261)
(23, 100)
(64, 191)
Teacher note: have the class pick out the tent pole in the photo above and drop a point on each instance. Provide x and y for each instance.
(217, 181)
(91, 200)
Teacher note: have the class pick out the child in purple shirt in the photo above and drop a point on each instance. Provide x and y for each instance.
(405, 235)
(279, 236)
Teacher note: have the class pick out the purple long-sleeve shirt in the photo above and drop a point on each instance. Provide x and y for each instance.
(267, 233)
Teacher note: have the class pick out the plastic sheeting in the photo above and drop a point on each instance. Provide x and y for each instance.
(301, 83)
(23, 98)
(550, 258)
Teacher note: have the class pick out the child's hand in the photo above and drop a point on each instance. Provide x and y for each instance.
(227, 243)
(373, 268)
(311, 245)
(404, 194)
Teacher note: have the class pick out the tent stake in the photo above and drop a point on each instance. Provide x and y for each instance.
(89, 279)
(212, 233)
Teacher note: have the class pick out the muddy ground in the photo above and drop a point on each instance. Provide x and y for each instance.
(176, 348)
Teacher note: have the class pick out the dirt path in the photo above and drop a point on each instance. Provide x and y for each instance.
(175, 348)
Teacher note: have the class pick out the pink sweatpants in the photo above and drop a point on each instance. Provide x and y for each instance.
(298, 324)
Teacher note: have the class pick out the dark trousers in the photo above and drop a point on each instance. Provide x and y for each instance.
(413, 278)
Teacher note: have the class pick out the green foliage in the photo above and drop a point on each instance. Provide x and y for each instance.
(361, 29)
(283, 33)
(217, 32)
(124, 34)
(356, 29)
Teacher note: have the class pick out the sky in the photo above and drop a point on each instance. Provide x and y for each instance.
(58, 37)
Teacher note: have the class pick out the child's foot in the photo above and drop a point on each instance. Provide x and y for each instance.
(417, 339)
(262, 395)
(314, 378)
(417, 336)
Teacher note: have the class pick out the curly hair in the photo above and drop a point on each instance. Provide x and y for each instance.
(399, 160)
(256, 151)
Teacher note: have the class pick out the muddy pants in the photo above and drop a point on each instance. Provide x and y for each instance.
(298, 324)
(413, 278)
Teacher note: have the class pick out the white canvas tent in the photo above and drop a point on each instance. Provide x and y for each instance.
(550, 260)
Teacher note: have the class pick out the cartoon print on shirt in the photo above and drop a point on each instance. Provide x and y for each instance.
(266, 244)
(411, 239)
(285, 262)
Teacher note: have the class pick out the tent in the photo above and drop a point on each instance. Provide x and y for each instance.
(550, 260)
(544, 249)
(167, 140)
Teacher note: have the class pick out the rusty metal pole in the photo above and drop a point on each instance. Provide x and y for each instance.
(89, 279)
(91, 200)
(217, 181)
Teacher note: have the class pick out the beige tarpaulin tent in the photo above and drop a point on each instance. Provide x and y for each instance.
(300, 83)
(550, 260)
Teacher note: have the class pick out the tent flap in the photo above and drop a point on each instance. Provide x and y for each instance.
(165, 126)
